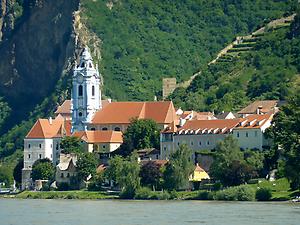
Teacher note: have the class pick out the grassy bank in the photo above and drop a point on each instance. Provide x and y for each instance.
(65, 195)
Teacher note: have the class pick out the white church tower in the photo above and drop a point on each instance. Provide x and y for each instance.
(86, 93)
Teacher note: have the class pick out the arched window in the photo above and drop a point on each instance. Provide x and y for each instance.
(117, 129)
(104, 128)
(90, 65)
(80, 90)
(82, 65)
(93, 90)
(80, 114)
(28, 145)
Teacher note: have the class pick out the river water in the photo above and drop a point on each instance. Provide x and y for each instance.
(114, 212)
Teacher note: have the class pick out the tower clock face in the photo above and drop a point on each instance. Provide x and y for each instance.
(80, 78)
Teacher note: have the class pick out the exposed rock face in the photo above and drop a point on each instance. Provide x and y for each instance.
(37, 51)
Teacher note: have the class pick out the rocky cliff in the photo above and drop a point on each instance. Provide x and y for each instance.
(37, 41)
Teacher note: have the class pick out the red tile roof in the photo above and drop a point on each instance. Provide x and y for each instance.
(64, 108)
(254, 121)
(44, 128)
(208, 126)
(123, 112)
(100, 136)
(266, 107)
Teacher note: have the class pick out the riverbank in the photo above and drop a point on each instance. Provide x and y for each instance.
(279, 189)
(66, 195)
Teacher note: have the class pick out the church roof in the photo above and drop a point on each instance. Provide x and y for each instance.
(123, 112)
(100, 136)
(64, 108)
(44, 128)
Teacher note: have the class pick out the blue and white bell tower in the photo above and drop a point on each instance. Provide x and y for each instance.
(86, 93)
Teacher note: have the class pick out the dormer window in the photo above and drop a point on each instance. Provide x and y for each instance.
(80, 90)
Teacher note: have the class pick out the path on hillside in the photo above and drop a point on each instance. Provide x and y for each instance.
(238, 40)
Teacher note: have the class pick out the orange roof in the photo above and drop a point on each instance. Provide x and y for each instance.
(266, 106)
(198, 168)
(254, 121)
(208, 126)
(123, 112)
(100, 136)
(44, 128)
(64, 108)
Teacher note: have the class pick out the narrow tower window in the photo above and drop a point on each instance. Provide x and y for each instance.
(80, 90)
(93, 90)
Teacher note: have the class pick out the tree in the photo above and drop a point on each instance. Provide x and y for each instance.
(17, 173)
(178, 169)
(43, 169)
(151, 174)
(6, 175)
(86, 165)
(71, 145)
(229, 165)
(140, 134)
(286, 133)
(125, 172)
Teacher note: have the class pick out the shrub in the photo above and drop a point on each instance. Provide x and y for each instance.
(173, 194)
(63, 186)
(163, 195)
(143, 193)
(239, 193)
(263, 194)
(205, 195)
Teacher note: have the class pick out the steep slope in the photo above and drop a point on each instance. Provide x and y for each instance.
(144, 41)
(265, 66)
(35, 52)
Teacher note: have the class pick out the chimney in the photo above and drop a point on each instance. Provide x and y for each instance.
(50, 120)
(258, 111)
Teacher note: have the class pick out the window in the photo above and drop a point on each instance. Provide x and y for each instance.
(255, 133)
(200, 143)
(93, 128)
(238, 134)
(82, 65)
(80, 114)
(51, 156)
(68, 175)
(56, 146)
(28, 156)
(40, 145)
(80, 90)
(103, 146)
(90, 65)
(93, 90)
(40, 156)
(104, 128)
(178, 143)
(192, 143)
(28, 145)
(207, 142)
(165, 148)
(62, 175)
(117, 129)
(246, 134)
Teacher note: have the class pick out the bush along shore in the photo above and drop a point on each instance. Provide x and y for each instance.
(261, 191)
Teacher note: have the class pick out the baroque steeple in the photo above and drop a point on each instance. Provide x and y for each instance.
(86, 93)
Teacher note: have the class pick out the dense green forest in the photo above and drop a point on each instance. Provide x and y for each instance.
(270, 70)
(144, 41)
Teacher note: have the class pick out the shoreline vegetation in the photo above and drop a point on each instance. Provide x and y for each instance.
(262, 191)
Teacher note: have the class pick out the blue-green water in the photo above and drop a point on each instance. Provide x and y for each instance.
(106, 212)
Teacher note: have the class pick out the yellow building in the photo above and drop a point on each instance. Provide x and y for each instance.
(199, 174)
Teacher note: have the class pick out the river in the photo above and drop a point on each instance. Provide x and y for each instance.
(115, 212)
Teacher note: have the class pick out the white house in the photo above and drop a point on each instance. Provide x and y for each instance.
(43, 141)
